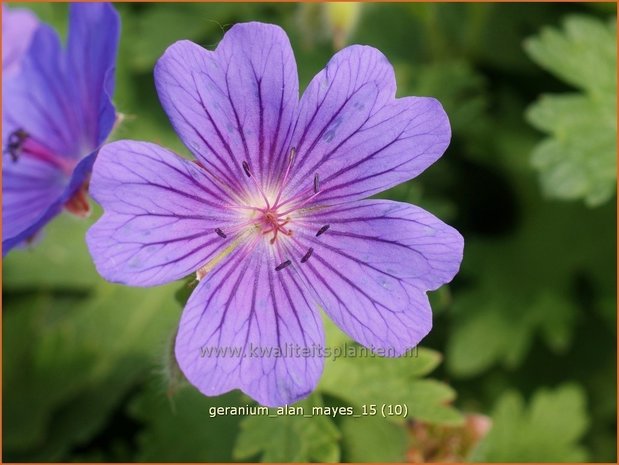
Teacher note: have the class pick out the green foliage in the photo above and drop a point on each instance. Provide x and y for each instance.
(290, 437)
(57, 259)
(548, 430)
(74, 348)
(507, 307)
(366, 380)
(462, 92)
(180, 426)
(485, 33)
(359, 382)
(150, 33)
(372, 439)
(578, 160)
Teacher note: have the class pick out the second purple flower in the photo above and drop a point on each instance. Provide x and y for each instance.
(271, 215)
(56, 113)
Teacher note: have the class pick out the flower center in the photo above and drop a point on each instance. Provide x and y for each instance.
(266, 215)
(272, 216)
(272, 223)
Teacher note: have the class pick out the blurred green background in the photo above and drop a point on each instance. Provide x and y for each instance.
(524, 337)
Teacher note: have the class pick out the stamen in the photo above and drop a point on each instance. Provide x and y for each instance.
(307, 255)
(296, 198)
(220, 233)
(16, 143)
(291, 157)
(246, 169)
(244, 226)
(283, 265)
(298, 206)
(249, 175)
(20, 143)
(322, 230)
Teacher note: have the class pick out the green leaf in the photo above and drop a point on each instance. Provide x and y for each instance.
(84, 353)
(25, 413)
(527, 290)
(583, 54)
(77, 344)
(373, 439)
(289, 438)
(487, 33)
(548, 430)
(183, 292)
(159, 26)
(507, 329)
(460, 89)
(57, 259)
(578, 159)
(184, 427)
(374, 380)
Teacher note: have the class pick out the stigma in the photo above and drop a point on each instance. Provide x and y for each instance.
(273, 224)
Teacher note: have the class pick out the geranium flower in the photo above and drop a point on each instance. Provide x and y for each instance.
(18, 27)
(56, 112)
(270, 215)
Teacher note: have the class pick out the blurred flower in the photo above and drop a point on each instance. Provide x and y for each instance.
(442, 443)
(342, 18)
(330, 21)
(56, 112)
(18, 27)
(270, 216)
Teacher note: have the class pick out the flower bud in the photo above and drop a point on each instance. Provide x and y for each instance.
(342, 19)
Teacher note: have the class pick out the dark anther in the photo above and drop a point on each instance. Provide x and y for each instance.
(220, 233)
(307, 255)
(16, 143)
(293, 153)
(316, 183)
(322, 230)
(246, 169)
(283, 265)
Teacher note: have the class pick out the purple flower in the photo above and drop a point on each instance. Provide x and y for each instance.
(18, 27)
(56, 112)
(270, 216)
